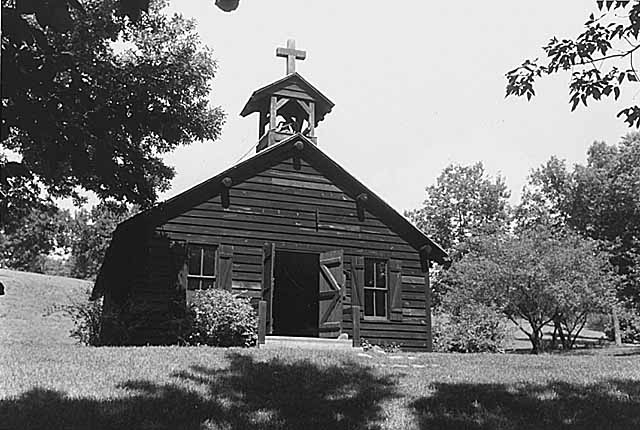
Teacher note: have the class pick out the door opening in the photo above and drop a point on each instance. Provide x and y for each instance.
(295, 294)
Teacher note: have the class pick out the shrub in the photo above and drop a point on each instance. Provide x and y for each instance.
(598, 321)
(629, 326)
(387, 347)
(87, 321)
(218, 318)
(86, 316)
(473, 328)
(138, 322)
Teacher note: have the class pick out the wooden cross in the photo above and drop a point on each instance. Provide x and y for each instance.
(292, 54)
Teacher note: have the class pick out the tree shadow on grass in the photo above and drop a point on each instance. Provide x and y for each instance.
(612, 404)
(247, 394)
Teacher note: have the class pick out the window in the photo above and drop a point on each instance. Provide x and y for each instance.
(375, 288)
(202, 267)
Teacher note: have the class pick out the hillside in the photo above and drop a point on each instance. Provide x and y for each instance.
(28, 299)
(26, 317)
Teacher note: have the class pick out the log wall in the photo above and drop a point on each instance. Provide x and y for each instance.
(302, 210)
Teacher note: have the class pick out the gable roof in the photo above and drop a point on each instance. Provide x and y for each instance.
(259, 100)
(265, 159)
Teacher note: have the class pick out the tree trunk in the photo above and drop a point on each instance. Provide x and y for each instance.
(616, 327)
(536, 341)
(554, 336)
(558, 333)
(564, 340)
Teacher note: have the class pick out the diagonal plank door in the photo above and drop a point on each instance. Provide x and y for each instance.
(330, 293)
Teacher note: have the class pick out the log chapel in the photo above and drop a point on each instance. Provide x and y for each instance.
(319, 253)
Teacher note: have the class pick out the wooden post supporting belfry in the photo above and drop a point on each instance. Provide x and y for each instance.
(262, 321)
(355, 317)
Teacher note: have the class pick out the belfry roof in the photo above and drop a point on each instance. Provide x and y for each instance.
(292, 85)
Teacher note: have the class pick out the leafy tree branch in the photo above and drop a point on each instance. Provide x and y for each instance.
(608, 37)
(81, 114)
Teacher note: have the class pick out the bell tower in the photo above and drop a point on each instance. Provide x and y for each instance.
(288, 106)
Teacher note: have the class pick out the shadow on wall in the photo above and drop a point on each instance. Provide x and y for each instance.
(246, 395)
(612, 404)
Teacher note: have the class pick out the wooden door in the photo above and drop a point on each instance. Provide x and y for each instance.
(331, 292)
(268, 263)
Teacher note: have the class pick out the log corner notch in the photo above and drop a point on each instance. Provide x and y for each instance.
(361, 201)
(227, 182)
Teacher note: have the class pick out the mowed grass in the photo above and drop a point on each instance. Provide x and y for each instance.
(25, 308)
(56, 385)
(208, 388)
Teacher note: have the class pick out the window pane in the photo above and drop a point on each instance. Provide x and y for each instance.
(381, 303)
(368, 302)
(209, 261)
(368, 272)
(193, 283)
(194, 260)
(381, 274)
(207, 283)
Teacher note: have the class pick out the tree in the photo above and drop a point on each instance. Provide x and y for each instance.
(18, 195)
(33, 16)
(537, 276)
(82, 115)
(90, 236)
(601, 59)
(540, 202)
(25, 243)
(600, 200)
(463, 202)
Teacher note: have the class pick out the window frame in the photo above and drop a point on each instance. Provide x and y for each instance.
(201, 277)
(376, 289)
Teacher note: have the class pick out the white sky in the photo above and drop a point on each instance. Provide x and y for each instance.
(417, 85)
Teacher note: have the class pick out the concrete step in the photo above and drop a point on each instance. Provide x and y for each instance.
(274, 342)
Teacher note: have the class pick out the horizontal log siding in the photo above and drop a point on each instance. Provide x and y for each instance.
(280, 205)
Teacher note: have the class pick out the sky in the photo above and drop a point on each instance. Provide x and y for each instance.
(417, 86)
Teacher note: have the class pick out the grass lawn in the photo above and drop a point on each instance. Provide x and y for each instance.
(56, 385)
(25, 305)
